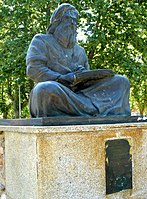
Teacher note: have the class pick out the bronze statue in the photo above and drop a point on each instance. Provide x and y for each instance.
(64, 83)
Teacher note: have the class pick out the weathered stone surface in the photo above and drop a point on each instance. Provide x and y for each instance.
(2, 163)
(3, 196)
(63, 162)
(21, 166)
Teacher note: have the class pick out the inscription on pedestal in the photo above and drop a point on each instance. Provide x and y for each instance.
(118, 165)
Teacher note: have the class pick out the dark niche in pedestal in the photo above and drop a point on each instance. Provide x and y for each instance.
(118, 165)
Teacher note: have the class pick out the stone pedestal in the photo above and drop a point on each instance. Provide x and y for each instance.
(68, 162)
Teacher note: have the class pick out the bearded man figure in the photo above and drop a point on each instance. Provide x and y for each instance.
(55, 61)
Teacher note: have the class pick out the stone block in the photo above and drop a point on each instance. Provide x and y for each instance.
(68, 162)
(2, 162)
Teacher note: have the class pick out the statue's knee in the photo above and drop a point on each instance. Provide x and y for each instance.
(123, 81)
(126, 82)
(46, 88)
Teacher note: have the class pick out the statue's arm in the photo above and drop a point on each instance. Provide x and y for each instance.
(86, 64)
(36, 62)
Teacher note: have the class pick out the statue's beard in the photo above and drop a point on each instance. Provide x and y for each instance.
(66, 35)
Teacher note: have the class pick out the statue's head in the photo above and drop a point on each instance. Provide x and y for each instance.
(61, 14)
(63, 25)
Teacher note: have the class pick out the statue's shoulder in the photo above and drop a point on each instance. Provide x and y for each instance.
(79, 49)
(42, 40)
(43, 37)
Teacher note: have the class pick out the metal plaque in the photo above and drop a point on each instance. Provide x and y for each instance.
(118, 165)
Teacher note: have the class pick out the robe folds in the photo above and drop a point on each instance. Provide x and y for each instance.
(46, 60)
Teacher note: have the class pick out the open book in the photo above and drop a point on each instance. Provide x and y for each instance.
(88, 77)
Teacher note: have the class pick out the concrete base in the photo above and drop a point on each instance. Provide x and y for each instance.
(68, 162)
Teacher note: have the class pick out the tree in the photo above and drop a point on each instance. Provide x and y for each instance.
(20, 21)
(116, 38)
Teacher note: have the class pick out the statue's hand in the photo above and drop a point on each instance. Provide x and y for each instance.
(67, 79)
(80, 68)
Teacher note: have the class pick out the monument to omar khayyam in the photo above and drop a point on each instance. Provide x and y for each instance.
(65, 85)
(46, 158)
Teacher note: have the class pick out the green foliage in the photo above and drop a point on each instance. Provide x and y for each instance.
(116, 38)
(20, 21)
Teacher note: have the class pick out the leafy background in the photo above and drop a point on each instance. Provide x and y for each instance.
(115, 37)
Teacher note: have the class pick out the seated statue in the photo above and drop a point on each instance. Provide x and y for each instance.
(65, 85)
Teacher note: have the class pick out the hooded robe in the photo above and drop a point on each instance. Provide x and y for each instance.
(47, 59)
